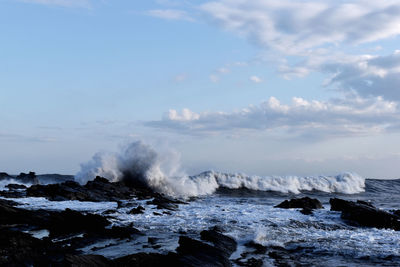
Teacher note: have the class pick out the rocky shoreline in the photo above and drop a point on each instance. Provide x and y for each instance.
(68, 231)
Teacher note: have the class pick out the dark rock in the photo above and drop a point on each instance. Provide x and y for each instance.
(163, 202)
(20, 249)
(301, 203)
(86, 260)
(15, 186)
(100, 189)
(4, 175)
(396, 212)
(252, 262)
(157, 214)
(195, 253)
(364, 214)
(147, 260)
(137, 210)
(28, 178)
(258, 248)
(152, 240)
(224, 243)
(307, 211)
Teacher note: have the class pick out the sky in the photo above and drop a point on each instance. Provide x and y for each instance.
(263, 87)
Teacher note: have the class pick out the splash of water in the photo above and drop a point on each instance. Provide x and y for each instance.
(140, 164)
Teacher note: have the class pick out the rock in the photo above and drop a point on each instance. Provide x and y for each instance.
(163, 202)
(224, 243)
(364, 214)
(28, 178)
(4, 175)
(20, 249)
(15, 186)
(252, 262)
(301, 203)
(147, 260)
(86, 260)
(195, 253)
(258, 248)
(137, 210)
(307, 211)
(100, 189)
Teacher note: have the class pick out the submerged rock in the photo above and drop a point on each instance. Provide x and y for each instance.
(365, 214)
(137, 210)
(305, 203)
(15, 186)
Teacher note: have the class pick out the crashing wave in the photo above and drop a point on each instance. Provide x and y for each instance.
(347, 183)
(141, 164)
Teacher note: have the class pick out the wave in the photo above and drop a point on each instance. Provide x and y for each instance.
(139, 163)
(347, 183)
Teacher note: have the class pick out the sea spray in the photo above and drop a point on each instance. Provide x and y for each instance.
(140, 164)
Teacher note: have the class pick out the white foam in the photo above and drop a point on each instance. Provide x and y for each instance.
(35, 203)
(347, 183)
(162, 172)
(5, 182)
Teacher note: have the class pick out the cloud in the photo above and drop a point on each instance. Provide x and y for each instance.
(170, 14)
(311, 119)
(368, 75)
(63, 3)
(255, 79)
(296, 26)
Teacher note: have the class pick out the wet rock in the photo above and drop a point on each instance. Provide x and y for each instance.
(301, 203)
(147, 260)
(163, 202)
(86, 260)
(252, 262)
(15, 186)
(224, 243)
(100, 189)
(137, 210)
(28, 178)
(20, 249)
(195, 253)
(257, 248)
(4, 175)
(307, 211)
(364, 214)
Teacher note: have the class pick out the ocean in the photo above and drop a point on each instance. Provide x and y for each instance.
(243, 206)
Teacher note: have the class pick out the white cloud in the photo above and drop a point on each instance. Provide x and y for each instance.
(255, 79)
(368, 75)
(63, 3)
(314, 119)
(293, 27)
(170, 14)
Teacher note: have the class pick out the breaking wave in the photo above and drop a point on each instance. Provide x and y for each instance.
(141, 164)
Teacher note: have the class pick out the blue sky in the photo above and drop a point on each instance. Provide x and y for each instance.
(262, 87)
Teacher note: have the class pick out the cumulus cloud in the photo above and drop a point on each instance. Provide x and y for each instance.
(170, 14)
(63, 3)
(295, 26)
(302, 118)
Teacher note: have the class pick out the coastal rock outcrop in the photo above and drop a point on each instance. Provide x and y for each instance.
(306, 204)
(362, 213)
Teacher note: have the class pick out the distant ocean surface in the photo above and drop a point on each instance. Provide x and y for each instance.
(244, 207)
